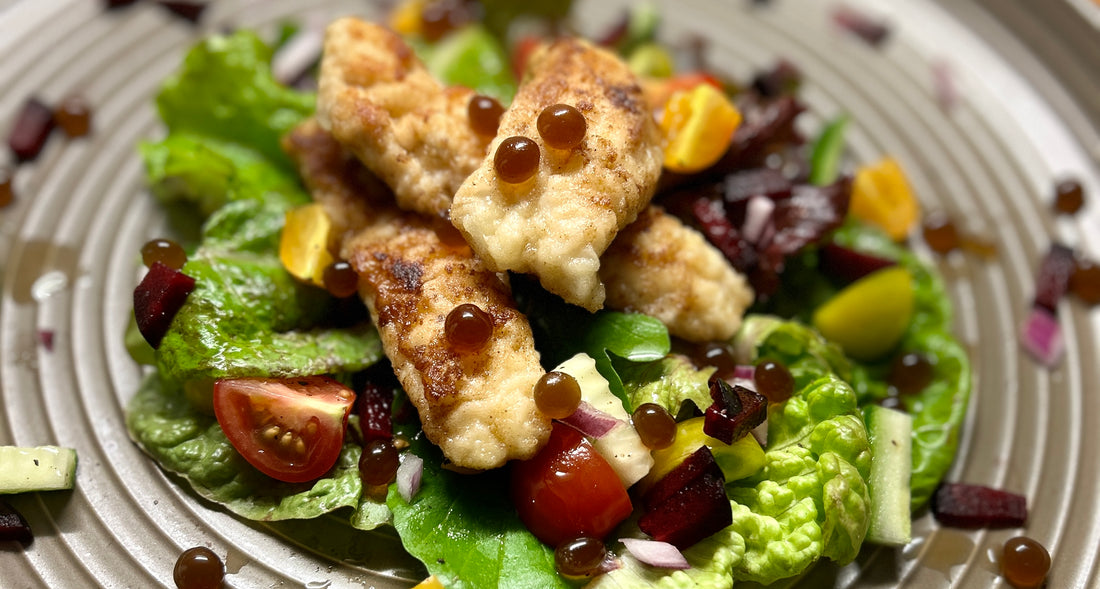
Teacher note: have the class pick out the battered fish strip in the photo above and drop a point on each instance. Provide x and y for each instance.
(556, 224)
(663, 268)
(478, 407)
(380, 102)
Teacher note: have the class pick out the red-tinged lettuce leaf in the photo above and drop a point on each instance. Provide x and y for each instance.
(465, 530)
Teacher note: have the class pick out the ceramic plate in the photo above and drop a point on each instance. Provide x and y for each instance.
(68, 265)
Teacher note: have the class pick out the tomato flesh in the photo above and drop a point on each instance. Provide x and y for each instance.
(568, 490)
(289, 429)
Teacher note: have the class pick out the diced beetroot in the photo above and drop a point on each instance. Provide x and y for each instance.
(689, 503)
(783, 78)
(157, 300)
(867, 28)
(848, 265)
(45, 337)
(1054, 273)
(12, 525)
(188, 11)
(32, 129)
(961, 505)
(735, 412)
(374, 403)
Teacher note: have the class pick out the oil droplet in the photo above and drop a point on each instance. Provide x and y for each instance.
(38, 258)
(235, 561)
(49, 284)
(947, 549)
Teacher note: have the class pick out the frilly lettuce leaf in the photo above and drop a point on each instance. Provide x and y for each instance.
(940, 409)
(809, 501)
(192, 445)
(668, 382)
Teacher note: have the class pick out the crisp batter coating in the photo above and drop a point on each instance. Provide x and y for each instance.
(380, 102)
(478, 407)
(556, 224)
(661, 267)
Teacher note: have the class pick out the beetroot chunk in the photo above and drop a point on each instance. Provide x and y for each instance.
(32, 129)
(374, 403)
(689, 503)
(12, 525)
(848, 265)
(960, 505)
(1054, 273)
(157, 300)
(735, 412)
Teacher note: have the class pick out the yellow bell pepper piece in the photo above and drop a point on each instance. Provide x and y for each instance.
(741, 459)
(431, 582)
(303, 246)
(698, 125)
(405, 18)
(869, 317)
(881, 196)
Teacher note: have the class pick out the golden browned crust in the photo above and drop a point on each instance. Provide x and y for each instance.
(557, 224)
(661, 267)
(379, 101)
(477, 407)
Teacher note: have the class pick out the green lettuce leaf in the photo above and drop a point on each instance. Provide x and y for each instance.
(809, 501)
(940, 409)
(249, 317)
(668, 382)
(473, 58)
(192, 445)
(205, 173)
(225, 90)
(465, 530)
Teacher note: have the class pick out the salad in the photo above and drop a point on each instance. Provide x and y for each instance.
(279, 393)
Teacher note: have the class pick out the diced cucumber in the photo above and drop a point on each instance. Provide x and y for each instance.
(43, 468)
(891, 434)
(621, 447)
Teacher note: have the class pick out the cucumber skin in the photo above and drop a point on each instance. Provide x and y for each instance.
(891, 434)
(40, 468)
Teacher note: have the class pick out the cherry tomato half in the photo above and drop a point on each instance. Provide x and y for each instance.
(568, 490)
(290, 429)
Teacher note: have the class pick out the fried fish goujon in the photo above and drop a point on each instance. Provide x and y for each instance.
(380, 102)
(663, 268)
(556, 224)
(478, 407)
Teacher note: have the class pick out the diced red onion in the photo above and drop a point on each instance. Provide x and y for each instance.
(297, 55)
(1041, 336)
(658, 554)
(745, 372)
(409, 474)
(758, 212)
(591, 421)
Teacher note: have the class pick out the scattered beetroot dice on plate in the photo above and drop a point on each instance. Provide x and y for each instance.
(961, 505)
